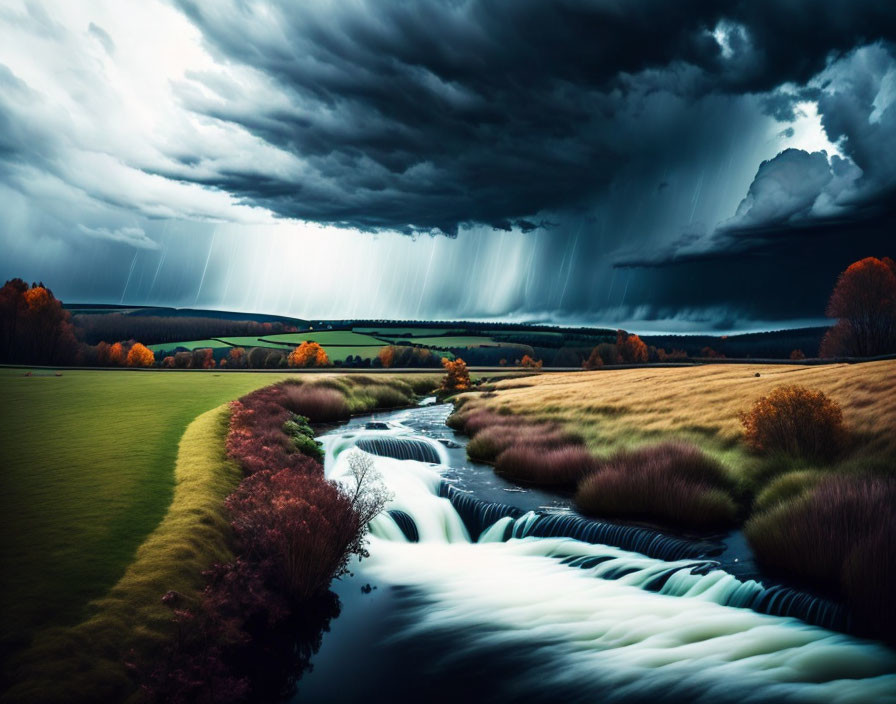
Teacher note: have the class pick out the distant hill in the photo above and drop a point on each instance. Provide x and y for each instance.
(775, 344)
(484, 343)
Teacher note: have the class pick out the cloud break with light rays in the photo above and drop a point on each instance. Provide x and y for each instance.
(686, 166)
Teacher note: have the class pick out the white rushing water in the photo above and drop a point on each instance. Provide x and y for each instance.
(585, 612)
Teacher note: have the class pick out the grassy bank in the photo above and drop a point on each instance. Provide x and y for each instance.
(667, 446)
(85, 662)
(112, 494)
(88, 472)
(622, 409)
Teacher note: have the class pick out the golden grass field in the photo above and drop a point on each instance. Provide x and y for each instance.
(623, 408)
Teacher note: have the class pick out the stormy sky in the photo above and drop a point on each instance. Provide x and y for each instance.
(666, 166)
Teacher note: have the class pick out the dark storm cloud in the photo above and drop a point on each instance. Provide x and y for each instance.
(429, 115)
(797, 194)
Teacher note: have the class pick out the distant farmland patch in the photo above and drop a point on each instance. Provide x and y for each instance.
(457, 341)
(406, 333)
(326, 338)
(188, 344)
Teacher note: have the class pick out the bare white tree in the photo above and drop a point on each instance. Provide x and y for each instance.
(370, 494)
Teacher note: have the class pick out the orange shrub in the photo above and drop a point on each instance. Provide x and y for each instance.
(456, 378)
(116, 355)
(308, 354)
(530, 363)
(387, 356)
(203, 358)
(797, 355)
(631, 347)
(797, 421)
(140, 356)
(237, 357)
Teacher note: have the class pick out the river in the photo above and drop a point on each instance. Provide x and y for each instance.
(478, 590)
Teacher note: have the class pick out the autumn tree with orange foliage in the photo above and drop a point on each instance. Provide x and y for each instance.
(864, 301)
(457, 377)
(203, 358)
(397, 356)
(34, 327)
(140, 356)
(530, 363)
(116, 356)
(632, 349)
(796, 421)
(387, 356)
(237, 357)
(594, 361)
(710, 353)
(308, 354)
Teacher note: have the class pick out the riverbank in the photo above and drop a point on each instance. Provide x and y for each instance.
(519, 614)
(86, 662)
(94, 463)
(666, 446)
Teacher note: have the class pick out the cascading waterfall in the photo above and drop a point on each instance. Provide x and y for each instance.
(480, 515)
(616, 611)
(498, 522)
(400, 448)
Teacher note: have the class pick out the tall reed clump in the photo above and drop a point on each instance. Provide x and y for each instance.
(314, 401)
(671, 482)
(525, 451)
(842, 535)
(545, 466)
(294, 532)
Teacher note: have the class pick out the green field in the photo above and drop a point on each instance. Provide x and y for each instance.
(461, 341)
(338, 344)
(363, 342)
(338, 354)
(87, 473)
(405, 333)
(247, 342)
(83, 663)
(326, 338)
(189, 344)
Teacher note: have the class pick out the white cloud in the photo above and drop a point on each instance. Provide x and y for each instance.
(133, 236)
(98, 121)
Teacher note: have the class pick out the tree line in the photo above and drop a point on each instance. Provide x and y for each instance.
(35, 328)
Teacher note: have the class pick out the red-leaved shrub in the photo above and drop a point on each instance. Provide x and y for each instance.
(299, 525)
(295, 531)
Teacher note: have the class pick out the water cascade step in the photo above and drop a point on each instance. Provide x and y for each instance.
(418, 449)
(484, 521)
